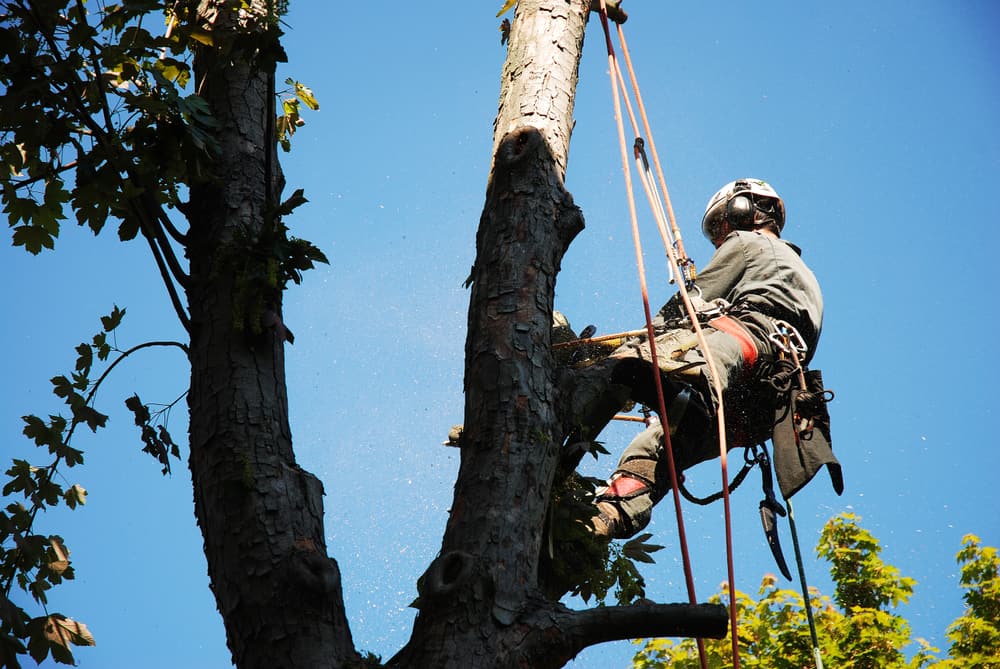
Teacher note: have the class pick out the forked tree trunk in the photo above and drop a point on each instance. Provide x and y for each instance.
(260, 514)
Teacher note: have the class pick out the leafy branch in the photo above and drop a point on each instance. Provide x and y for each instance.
(263, 264)
(98, 114)
(577, 562)
(290, 120)
(33, 561)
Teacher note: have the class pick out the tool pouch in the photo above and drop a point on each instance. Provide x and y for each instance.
(802, 441)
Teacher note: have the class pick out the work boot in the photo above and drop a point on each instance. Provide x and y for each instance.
(608, 523)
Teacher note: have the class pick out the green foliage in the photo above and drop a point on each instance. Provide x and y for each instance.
(101, 119)
(54, 634)
(95, 114)
(37, 562)
(262, 264)
(577, 562)
(289, 120)
(101, 114)
(975, 636)
(155, 437)
(863, 580)
(33, 561)
(859, 628)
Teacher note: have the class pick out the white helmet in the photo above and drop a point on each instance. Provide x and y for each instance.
(737, 204)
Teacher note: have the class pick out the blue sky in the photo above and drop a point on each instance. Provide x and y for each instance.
(875, 121)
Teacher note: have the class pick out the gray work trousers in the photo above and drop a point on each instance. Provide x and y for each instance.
(693, 441)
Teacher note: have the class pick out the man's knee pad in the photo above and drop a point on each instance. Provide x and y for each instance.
(632, 478)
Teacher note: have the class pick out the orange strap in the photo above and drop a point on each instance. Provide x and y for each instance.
(733, 327)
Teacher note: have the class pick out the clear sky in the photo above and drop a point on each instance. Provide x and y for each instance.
(877, 123)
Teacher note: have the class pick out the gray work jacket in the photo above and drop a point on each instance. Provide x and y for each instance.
(763, 278)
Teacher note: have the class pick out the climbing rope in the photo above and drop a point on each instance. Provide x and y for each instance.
(658, 383)
(806, 599)
(749, 460)
(671, 239)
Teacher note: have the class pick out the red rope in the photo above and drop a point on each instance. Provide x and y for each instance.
(675, 265)
(678, 241)
(661, 403)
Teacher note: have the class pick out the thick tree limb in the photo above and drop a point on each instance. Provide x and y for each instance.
(614, 623)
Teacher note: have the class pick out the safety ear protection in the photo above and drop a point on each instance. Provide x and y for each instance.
(740, 208)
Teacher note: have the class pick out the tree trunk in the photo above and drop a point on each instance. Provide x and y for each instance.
(480, 602)
(261, 515)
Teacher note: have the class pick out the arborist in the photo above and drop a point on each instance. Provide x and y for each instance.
(755, 287)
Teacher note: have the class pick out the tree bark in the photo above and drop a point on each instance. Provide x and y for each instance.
(261, 515)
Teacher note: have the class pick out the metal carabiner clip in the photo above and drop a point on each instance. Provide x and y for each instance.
(787, 338)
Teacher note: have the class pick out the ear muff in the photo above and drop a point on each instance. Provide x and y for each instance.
(740, 211)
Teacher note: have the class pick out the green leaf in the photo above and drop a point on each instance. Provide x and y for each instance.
(296, 199)
(638, 549)
(37, 590)
(128, 229)
(201, 36)
(141, 411)
(134, 37)
(101, 345)
(71, 456)
(90, 416)
(75, 496)
(86, 357)
(111, 321)
(33, 238)
(20, 478)
(55, 634)
(304, 93)
(61, 386)
(284, 130)
(197, 110)
(42, 434)
(173, 70)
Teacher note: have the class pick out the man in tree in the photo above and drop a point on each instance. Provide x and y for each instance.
(755, 285)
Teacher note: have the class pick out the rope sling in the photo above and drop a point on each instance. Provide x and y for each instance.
(673, 247)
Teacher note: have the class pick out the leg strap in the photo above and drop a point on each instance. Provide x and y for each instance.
(733, 328)
(632, 478)
(624, 487)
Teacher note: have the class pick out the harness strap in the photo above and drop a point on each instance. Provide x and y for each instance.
(732, 327)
